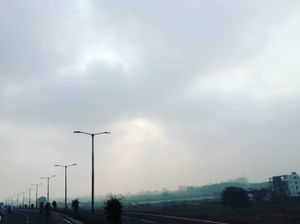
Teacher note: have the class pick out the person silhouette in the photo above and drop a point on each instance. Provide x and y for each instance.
(48, 210)
(41, 207)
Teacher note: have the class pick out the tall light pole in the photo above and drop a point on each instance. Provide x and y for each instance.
(36, 193)
(29, 197)
(66, 166)
(17, 199)
(20, 204)
(23, 199)
(48, 178)
(93, 183)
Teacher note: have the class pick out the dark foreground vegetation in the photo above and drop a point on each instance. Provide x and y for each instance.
(113, 209)
(233, 202)
(271, 212)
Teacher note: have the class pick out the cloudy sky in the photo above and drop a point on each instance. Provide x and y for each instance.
(194, 92)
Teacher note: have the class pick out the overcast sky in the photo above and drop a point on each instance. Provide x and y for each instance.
(194, 92)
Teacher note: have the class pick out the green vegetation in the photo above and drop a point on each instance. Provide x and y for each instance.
(284, 212)
(211, 191)
(42, 199)
(235, 197)
(113, 210)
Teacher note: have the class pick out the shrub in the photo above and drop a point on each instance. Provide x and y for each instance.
(235, 197)
(113, 209)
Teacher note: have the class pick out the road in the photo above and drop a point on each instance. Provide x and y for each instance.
(130, 217)
(142, 218)
(32, 217)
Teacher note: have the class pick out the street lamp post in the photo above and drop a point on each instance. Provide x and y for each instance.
(17, 199)
(36, 193)
(29, 197)
(23, 199)
(48, 178)
(20, 203)
(66, 166)
(93, 183)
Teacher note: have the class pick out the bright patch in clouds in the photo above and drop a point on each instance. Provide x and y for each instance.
(192, 91)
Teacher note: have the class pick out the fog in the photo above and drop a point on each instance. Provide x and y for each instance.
(193, 92)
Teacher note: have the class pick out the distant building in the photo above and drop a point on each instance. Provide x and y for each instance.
(286, 184)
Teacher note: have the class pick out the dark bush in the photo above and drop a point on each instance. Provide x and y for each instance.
(235, 197)
(113, 209)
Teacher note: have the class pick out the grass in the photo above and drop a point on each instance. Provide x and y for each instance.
(285, 212)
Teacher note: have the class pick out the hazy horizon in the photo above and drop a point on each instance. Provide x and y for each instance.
(193, 92)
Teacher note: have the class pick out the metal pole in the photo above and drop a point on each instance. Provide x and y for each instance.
(48, 178)
(29, 194)
(93, 183)
(66, 187)
(48, 189)
(36, 195)
(66, 181)
(23, 198)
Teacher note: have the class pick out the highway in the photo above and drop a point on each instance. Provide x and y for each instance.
(32, 217)
(131, 217)
(143, 218)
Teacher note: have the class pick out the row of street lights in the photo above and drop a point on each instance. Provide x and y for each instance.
(10, 199)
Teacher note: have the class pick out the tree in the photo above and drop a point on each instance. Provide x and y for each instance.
(235, 197)
(42, 199)
(113, 209)
(54, 204)
(75, 204)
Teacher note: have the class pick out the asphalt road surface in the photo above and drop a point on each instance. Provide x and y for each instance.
(32, 217)
(130, 217)
(142, 218)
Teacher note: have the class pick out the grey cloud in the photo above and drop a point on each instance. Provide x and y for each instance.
(171, 44)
